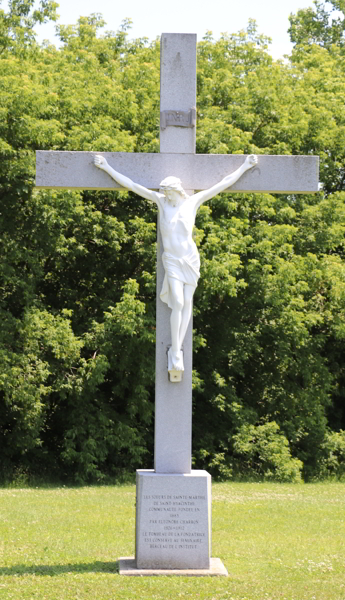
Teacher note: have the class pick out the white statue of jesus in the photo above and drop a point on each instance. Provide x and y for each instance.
(177, 212)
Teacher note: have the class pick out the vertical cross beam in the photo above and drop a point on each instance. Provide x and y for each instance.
(173, 412)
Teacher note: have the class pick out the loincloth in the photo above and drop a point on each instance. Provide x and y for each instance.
(185, 269)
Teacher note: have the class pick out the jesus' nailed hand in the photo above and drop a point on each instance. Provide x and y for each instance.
(177, 212)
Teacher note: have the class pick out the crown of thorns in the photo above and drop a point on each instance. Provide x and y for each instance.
(172, 183)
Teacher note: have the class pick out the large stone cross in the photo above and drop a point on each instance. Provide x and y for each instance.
(274, 174)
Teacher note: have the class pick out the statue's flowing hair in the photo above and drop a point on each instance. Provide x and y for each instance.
(173, 183)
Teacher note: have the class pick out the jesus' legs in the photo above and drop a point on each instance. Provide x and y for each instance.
(181, 296)
(177, 299)
(186, 311)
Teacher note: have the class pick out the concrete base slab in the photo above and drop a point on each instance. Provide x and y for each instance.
(128, 567)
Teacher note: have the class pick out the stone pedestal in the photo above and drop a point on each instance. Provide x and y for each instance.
(173, 520)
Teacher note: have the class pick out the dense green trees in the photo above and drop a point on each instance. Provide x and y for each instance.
(323, 25)
(77, 275)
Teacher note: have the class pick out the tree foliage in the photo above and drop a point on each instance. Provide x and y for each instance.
(324, 26)
(16, 26)
(77, 276)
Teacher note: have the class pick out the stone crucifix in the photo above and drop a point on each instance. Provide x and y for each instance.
(172, 478)
(274, 174)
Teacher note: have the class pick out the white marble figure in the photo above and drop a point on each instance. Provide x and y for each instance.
(177, 212)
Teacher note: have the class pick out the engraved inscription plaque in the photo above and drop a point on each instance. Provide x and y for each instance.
(178, 118)
(173, 520)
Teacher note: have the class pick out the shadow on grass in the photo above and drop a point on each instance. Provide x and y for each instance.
(54, 570)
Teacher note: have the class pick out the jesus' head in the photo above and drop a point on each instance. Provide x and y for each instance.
(172, 189)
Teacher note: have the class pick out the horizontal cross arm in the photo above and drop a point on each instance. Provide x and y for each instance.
(273, 174)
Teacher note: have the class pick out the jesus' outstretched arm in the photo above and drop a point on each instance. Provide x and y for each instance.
(124, 181)
(201, 197)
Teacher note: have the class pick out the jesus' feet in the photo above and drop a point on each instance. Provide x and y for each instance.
(176, 360)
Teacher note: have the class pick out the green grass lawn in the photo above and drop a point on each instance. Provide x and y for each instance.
(277, 542)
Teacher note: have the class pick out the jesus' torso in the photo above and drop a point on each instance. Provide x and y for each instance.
(176, 224)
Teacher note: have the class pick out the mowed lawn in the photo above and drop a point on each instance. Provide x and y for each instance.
(277, 542)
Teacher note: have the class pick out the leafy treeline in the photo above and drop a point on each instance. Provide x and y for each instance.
(77, 270)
